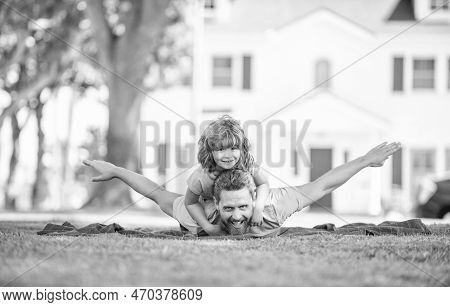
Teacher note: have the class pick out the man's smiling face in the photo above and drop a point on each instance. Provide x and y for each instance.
(236, 209)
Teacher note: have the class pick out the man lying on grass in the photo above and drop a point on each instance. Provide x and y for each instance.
(234, 194)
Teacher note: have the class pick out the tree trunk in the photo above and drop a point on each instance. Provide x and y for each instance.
(65, 144)
(122, 144)
(40, 184)
(128, 56)
(10, 200)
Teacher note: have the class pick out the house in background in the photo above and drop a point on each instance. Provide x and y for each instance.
(353, 73)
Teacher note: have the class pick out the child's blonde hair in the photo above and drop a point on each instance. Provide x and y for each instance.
(223, 133)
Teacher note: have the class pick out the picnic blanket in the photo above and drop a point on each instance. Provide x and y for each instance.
(409, 227)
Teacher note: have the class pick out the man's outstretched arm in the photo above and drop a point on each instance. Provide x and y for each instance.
(336, 177)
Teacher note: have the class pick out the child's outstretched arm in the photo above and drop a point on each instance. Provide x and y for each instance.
(197, 212)
(336, 177)
(262, 192)
(108, 171)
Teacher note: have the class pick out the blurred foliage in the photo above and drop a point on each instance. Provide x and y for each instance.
(48, 44)
(34, 61)
(93, 149)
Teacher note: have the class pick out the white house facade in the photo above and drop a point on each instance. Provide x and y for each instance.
(352, 73)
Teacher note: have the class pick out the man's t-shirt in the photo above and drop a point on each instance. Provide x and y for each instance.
(281, 204)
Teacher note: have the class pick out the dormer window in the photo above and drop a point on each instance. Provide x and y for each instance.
(442, 4)
(433, 11)
(322, 73)
(209, 4)
(217, 11)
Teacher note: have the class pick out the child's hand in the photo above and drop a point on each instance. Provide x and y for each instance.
(377, 155)
(257, 218)
(105, 169)
(213, 175)
(214, 230)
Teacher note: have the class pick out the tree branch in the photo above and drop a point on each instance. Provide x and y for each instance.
(154, 18)
(133, 18)
(5, 113)
(30, 91)
(16, 55)
(136, 45)
(45, 79)
(101, 31)
(4, 9)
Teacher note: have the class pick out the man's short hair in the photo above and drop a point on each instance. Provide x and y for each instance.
(234, 180)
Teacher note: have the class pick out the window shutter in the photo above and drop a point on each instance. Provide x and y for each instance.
(448, 74)
(447, 159)
(397, 168)
(247, 72)
(398, 75)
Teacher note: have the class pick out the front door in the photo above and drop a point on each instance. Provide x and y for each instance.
(321, 162)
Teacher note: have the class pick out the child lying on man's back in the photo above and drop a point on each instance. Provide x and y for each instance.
(223, 145)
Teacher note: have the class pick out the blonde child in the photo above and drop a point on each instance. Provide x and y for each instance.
(222, 146)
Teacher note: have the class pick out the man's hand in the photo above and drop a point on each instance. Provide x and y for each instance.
(378, 155)
(214, 230)
(106, 169)
(257, 218)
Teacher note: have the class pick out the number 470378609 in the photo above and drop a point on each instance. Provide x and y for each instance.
(167, 294)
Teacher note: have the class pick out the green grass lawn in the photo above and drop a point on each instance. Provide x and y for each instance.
(316, 260)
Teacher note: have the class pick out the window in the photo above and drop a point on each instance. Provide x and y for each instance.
(246, 72)
(209, 4)
(222, 71)
(397, 85)
(442, 4)
(423, 161)
(322, 73)
(423, 76)
(397, 168)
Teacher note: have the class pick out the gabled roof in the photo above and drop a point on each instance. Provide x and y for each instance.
(261, 15)
(403, 11)
(330, 15)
